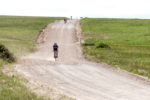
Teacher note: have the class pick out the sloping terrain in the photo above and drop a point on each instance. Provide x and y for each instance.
(74, 76)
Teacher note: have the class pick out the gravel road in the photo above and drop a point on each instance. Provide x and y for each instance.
(72, 75)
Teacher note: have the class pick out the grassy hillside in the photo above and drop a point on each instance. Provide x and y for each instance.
(18, 34)
(123, 43)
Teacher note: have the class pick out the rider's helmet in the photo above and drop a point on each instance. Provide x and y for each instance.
(55, 47)
(55, 43)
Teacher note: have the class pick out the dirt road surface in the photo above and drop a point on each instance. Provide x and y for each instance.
(74, 76)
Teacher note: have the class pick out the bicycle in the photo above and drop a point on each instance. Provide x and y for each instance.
(55, 55)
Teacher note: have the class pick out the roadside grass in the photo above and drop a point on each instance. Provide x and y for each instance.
(18, 34)
(12, 89)
(127, 43)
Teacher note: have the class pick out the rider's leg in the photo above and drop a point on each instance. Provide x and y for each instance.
(55, 54)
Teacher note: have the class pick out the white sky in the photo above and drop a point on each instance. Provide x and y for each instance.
(77, 8)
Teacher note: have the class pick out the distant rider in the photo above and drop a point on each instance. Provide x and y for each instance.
(65, 20)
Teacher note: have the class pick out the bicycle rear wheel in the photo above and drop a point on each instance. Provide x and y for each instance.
(55, 54)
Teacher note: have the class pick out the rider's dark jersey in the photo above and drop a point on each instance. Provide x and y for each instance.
(55, 47)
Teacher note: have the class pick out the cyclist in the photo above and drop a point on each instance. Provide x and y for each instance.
(55, 49)
(65, 21)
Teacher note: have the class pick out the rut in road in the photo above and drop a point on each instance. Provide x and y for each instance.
(74, 76)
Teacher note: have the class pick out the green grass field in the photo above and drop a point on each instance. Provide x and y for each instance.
(18, 34)
(123, 43)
